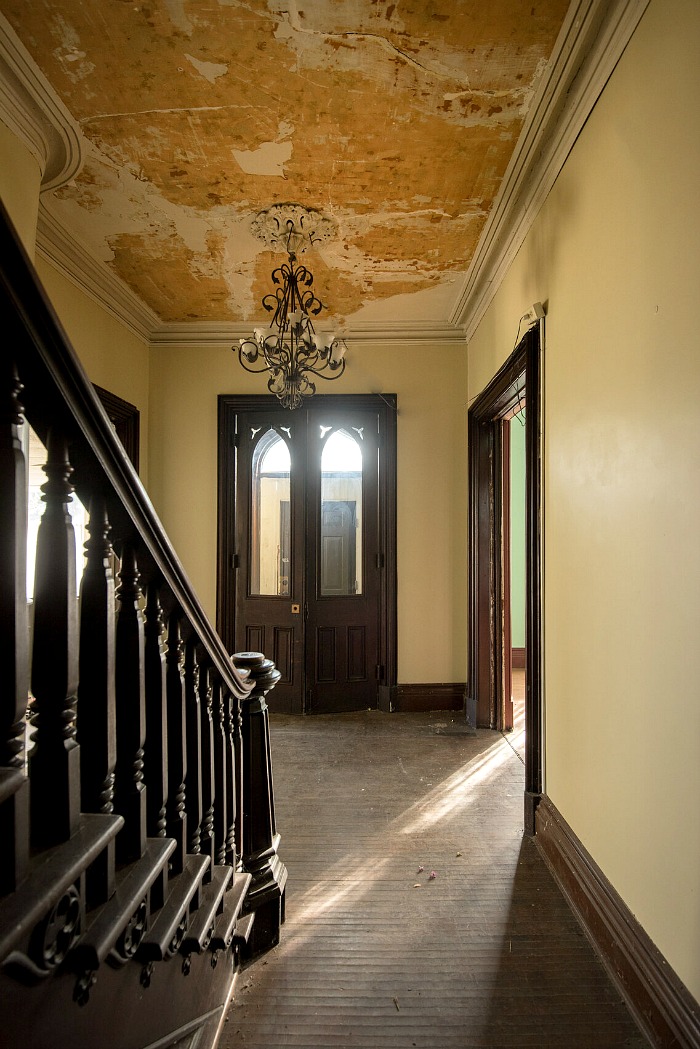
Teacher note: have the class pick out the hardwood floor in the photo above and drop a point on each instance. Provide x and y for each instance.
(516, 738)
(376, 953)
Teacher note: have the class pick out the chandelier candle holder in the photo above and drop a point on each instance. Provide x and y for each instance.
(291, 350)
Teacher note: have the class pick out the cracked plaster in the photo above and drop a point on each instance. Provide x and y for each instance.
(398, 119)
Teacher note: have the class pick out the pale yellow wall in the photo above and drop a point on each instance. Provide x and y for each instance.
(112, 356)
(615, 257)
(20, 179)
(430, 383)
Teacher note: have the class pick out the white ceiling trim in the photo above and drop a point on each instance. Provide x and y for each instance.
(215, 333)
(95, 279)
(34, 112)
(590, 44)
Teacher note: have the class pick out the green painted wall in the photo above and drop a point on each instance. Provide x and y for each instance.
(517, 531)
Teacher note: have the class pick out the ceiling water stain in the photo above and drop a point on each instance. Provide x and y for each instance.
(399, 119)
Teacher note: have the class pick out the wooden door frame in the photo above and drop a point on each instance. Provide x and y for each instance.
(517, 381)
(125, 419)
(505, 711)
(229, 405)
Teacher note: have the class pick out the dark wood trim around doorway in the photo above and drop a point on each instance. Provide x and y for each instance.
(386, 408)
(516, 384)
(125, 419)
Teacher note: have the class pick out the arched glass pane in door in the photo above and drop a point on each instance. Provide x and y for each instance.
(341, 515)
(270, 549)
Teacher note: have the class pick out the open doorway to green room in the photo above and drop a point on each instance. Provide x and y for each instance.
(514, 581)
(515, 387)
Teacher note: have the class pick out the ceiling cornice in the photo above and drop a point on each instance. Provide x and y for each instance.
(34, 112)
(590, 44)
(55, 244)
(218, 334)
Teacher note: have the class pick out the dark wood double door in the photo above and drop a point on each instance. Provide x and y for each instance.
(302, 547)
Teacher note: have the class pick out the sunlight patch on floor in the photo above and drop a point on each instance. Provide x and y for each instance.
(348, 883)
(453, 796)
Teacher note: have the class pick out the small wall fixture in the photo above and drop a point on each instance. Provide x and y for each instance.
(292, 351)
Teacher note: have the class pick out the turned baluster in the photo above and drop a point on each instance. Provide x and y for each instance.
(14, 813)
(176, 818)
(55, 763)
(155, 759)
(193, 723)
(220, 771)
(97, 724)
(233, 788)
(207, 844)
(129, 786)
(238, 758)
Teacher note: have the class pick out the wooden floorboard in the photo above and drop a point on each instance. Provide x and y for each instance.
(375, 953)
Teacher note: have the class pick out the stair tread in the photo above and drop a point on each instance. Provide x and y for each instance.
(50, 873)
(233, 903)
(197, 936)
(132, 885)
(181, 889)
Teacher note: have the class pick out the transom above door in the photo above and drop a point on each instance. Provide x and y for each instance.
(307, 545)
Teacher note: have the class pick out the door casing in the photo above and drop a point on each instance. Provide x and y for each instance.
(518, 381)
(385, 406)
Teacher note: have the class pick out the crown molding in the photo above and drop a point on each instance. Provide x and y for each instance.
(216, 333)
(33, 111)
(591, 42)
(56, 245)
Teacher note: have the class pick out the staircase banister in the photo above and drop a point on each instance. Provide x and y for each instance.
(57, 387)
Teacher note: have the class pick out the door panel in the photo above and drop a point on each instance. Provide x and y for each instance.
(342, 589)
(269, 526)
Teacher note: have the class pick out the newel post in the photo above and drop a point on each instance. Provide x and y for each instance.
(260, 840)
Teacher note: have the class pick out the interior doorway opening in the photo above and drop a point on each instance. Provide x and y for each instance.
(514, 584)
(517, 384)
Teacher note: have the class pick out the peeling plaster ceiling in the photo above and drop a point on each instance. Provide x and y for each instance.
(398, 119)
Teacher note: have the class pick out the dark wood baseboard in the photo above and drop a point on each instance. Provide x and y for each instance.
(518, 658)
(663, 1007)
(414, 699)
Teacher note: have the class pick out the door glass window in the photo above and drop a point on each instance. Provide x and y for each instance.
(341, 516)
(270, 519)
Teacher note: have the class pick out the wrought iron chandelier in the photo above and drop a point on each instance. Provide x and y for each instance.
(292, 351)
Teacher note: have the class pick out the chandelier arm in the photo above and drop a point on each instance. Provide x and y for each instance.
(337, 368)
(246, 362)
